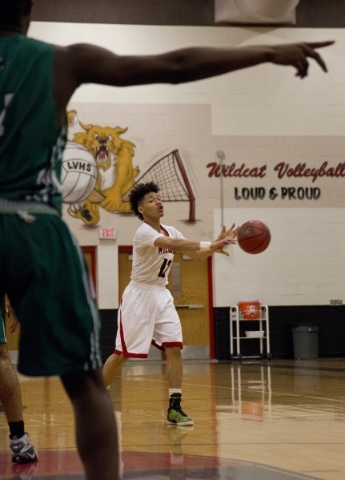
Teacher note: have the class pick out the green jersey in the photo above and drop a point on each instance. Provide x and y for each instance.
(56, 306)
(31, 140)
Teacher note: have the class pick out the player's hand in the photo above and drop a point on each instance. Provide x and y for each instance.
(229, 234)
(218, 246)
(226, 237)
(296, 54)
(11, 314)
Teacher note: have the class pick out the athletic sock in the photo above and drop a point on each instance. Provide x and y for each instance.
(175, 390)
(16, 429)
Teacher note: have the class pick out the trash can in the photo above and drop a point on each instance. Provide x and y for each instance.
(305, 341)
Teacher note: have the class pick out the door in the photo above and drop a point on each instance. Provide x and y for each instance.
(90, 260)
(188, 283)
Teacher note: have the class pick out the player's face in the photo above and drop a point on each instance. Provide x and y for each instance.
(151, 206)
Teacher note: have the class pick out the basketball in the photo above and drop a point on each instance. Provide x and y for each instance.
(79, 173)
(253, 237)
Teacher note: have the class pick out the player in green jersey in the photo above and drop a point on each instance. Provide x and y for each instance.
(41, 266)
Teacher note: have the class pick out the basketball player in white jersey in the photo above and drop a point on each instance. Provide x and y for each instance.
(147, 313)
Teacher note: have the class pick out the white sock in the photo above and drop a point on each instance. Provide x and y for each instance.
(175, 390)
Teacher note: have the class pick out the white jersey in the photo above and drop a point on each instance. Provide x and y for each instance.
(152, 264)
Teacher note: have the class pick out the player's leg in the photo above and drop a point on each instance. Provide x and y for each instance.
(168, 334)
(175, 414)
(9, 387)
(95, 424)
(10, 398)
(113, 364)
(174, 367)
(112, 367)
(134, 332)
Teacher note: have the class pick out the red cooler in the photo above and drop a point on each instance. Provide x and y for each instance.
(250, 309)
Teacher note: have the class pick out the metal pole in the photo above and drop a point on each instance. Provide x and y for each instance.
(220, 155)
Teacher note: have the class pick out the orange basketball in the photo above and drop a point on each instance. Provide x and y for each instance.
(254, 237)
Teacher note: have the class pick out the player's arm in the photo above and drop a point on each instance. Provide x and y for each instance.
(196, 250)
(97, 65)
(85, 63)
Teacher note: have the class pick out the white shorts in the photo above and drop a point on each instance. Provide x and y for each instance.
(147, 315)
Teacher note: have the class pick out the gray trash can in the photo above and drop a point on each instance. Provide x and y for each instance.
(305, 341)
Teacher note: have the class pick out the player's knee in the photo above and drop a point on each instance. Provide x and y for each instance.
(173, 353)
(81, 383)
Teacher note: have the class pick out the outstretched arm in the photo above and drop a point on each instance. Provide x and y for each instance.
(94, 64)
(199, 250)
(84, 63)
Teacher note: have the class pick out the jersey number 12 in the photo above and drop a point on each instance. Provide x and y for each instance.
(165, 265)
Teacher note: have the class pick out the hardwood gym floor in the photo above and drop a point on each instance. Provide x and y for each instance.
(254, 420)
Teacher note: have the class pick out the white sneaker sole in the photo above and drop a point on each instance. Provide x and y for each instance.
(190, 423)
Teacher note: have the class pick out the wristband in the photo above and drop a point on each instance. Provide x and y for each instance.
(205, 245)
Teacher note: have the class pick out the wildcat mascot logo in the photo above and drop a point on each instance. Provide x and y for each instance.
(115, 173)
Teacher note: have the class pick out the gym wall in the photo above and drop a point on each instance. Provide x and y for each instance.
(263, 118)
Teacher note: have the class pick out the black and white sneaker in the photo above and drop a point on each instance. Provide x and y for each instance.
(22, 450)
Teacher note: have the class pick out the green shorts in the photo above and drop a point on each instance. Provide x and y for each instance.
(42, 270)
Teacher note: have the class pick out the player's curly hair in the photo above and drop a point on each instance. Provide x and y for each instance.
(138, 192)
(11, 11)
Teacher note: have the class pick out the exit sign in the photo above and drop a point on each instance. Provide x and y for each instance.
(108, 233)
